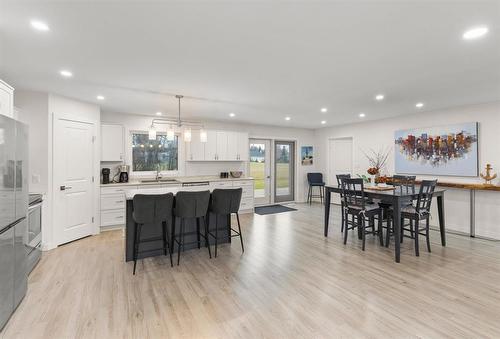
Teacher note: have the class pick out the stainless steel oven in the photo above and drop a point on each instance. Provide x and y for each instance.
(33, 237)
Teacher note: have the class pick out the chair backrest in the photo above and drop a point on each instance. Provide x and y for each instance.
(425, 196)
(404, 184)
(149, 208)
(314, 178)
(341, 177)
(191, 204)
(353, 192)
(226, 201)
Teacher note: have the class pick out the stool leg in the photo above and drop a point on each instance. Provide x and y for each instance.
(363, 234)
(181, 243)
(137, 238)
(198, 235)
(207, 244)
(388, 233)
(216, 236)
(172, 236)
(167, 243)
(239, 230)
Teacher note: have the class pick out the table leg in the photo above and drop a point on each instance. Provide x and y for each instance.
(440, 205)
(327, 209)
(397, 229)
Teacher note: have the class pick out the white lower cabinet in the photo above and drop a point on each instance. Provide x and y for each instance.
(113, 205)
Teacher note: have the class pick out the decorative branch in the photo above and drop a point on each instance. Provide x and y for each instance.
(377, 159)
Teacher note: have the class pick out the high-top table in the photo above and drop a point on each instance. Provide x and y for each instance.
(395, 199)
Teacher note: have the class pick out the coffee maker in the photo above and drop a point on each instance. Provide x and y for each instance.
(105, 175)
(124, 169)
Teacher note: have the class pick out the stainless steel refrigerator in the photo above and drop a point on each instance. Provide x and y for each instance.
(13, 213)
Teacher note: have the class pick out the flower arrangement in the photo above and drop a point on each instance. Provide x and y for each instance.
(377, 160)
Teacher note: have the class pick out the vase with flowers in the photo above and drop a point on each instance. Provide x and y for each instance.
(377, 160)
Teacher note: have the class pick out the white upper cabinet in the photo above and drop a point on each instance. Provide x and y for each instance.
(243, 147)
(112, 142)
(211, 146)
(6, 100)
(220, 146)
(195, 150)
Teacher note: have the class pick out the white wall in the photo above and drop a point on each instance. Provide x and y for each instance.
(302, 136)
(380, 133)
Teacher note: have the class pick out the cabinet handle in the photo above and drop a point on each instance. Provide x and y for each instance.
(119, 217)
(119, 201)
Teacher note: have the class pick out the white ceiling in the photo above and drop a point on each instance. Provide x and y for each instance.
(261, 60)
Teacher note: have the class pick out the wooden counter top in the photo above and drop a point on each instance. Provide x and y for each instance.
(469, 186)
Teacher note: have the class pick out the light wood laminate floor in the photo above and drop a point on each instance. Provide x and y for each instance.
(291, 282)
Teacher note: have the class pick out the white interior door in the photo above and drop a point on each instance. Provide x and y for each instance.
(340, 161)
(73, 189)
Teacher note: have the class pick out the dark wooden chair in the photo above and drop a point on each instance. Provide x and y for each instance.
(191, 205)
(421, 211)
(356, 206)
(403, 184)
(340, 177)
(150, 210)
(315, 180)
(225, 202)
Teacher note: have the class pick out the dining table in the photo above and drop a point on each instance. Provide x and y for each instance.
(397, 199)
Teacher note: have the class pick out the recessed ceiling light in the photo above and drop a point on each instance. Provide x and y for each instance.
(419, 105)
(232, 115)
(323, 122)
(100, 97)
(159, 113)
(362, 115)
(39, 25)
(475, 33)
(324, 110)
(66, 73)
(287, 118)
(379, 97)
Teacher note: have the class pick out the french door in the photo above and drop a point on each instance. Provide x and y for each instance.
(260, 170)
(284, 174)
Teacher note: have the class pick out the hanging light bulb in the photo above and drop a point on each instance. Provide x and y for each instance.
(203, 135)
(152, 132)
(187, 135)
(170, 133)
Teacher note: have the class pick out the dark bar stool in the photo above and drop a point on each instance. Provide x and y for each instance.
(224, 203)
(150, 210)
(341, 177)
(191, 205)
(315, 180)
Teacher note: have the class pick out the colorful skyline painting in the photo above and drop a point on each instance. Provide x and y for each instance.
(444, 150)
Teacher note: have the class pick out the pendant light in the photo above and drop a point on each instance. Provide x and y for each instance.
(187, 135)
(170, 133)
(152, 132)
(203, 135)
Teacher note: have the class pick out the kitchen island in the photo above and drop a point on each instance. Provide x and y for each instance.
(154, 248)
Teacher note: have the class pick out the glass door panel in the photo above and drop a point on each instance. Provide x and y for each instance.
(284, 171)
(260, 170)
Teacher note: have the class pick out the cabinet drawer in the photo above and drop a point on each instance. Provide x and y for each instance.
(222, 184)
(115, 190)
(112, 202)
(247, 192)
(243, 183)
(246, 204)
(114, 217)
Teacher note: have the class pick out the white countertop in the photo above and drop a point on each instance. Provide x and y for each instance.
(129, 193)
(178, 180)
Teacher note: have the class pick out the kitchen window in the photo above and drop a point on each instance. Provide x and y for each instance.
(154, 155)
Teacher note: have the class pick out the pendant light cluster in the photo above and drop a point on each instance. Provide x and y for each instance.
(186, 126)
